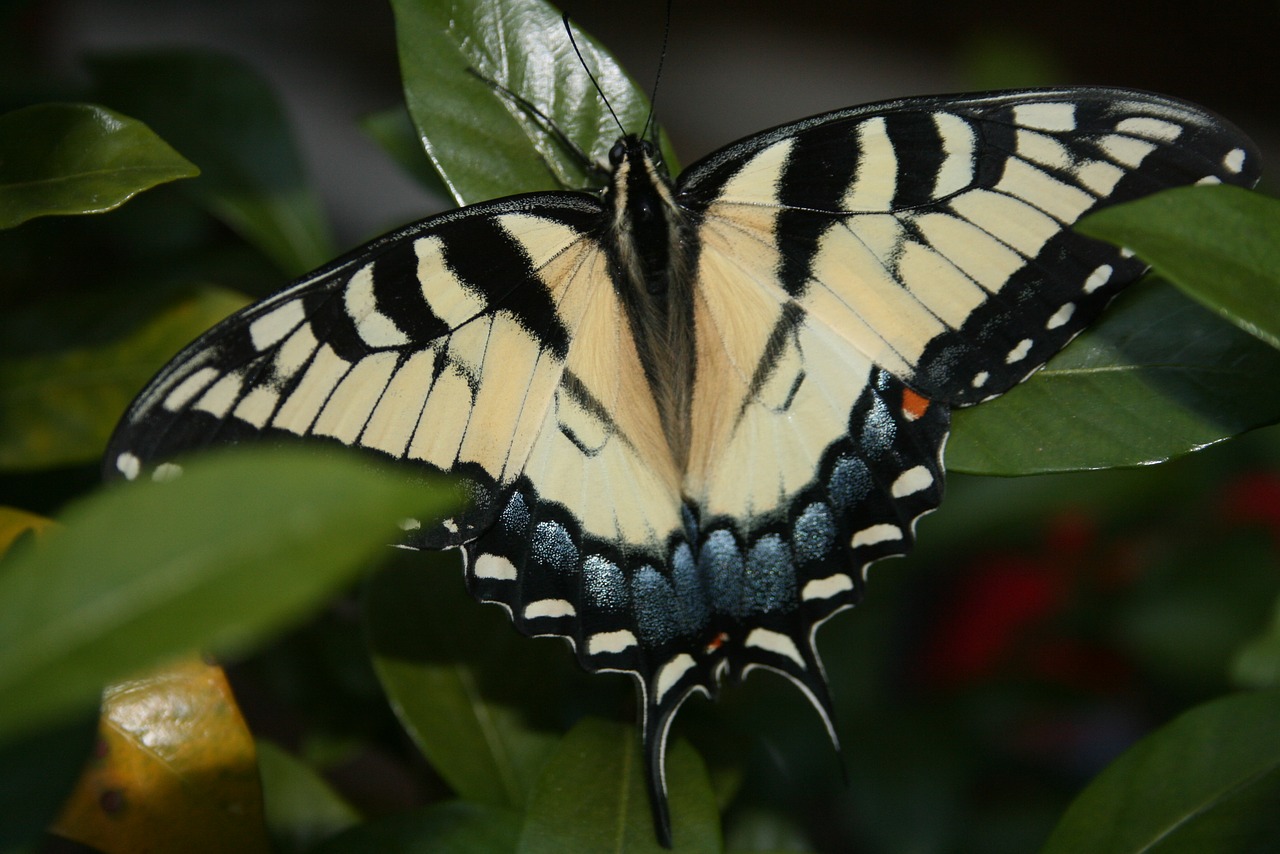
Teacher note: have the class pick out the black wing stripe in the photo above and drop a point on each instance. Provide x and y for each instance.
(920, 150)
(412, 310)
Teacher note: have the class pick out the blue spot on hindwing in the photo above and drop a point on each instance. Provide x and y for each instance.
(813, 533)
(721, 564)
(553, 547)
(515, 516)
(850, 483)
(878, 429)
(771, 576)
(656, 606)
(604, 584)
(691, 595)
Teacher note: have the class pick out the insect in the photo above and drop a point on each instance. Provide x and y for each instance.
(690, 413)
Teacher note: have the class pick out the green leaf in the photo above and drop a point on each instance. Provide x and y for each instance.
(432, 646)
(230, 123)
(393, 130)
(1184, 626)
(592, 797)
(1219, 244)
(243, 543)
(456, 827)
(1208, 781)
(1257, 663)
(60, 408)
(1158, 378)
(78, 159)
(300, 808)
(762, 832)
(484, 144)
(999, 58)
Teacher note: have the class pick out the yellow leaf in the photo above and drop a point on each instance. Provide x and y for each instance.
(14, 523)
(174, 770)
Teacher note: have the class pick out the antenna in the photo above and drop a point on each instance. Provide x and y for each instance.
(657, 77)
(569, 29)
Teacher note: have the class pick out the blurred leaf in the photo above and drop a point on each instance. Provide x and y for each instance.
(1219, 244)
(242, 543)
(393, 130)
(229, 122)
(456, 827)
(430, 644)
(301, 808)
(1159, 377)
(992, 58)
(482, 143)
(1208, 781)
(36, 773)
(60, 408)
(1184, 624)
(1257, 663)
(760, 832)
(14, 523)
(174, 771)
(592, 797)
(78, 159)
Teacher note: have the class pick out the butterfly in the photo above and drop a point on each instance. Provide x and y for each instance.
(689, 414)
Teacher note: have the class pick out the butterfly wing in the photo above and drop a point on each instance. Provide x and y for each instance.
(862, 271)
(444, 346)
(934, 234)
(855, 274)
(488, 344)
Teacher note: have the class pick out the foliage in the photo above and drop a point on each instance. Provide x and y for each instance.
(1044, 624)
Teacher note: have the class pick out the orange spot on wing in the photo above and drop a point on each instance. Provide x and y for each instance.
(914, 405)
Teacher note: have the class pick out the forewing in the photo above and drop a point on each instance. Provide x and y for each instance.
(442, 346)
(934, 234)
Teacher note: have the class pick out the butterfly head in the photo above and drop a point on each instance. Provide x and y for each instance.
(635, 150)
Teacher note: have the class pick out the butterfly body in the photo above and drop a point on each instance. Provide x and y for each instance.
(648, 242)
(691, 414)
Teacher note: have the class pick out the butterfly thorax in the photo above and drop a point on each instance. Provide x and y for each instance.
(650, 252)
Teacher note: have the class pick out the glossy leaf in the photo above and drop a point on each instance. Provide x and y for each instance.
(482, 142)
(174, 769)
(242, 543)
(1208, 781)
(1219, 244)
(431, 644)
(60, 408)
(229, 122)
(1160, 377)
(78, 159)
(456, 827)
(592, 797)
(301, 809)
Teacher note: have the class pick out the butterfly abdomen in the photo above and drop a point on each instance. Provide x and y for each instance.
(648, 244)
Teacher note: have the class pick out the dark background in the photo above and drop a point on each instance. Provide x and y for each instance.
(732, 67)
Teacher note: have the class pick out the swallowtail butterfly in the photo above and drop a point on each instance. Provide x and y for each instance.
(691, 413)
